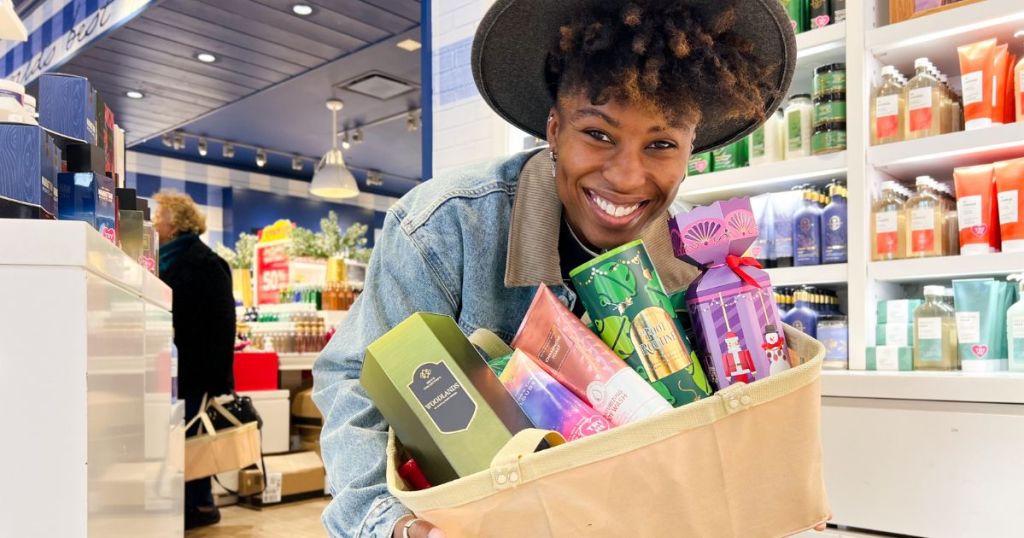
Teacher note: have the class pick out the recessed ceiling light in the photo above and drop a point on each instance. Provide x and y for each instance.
(134, 94)
(302, 10)
(206, 57)
(409, 45)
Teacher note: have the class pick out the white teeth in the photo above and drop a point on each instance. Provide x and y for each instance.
(612, 209)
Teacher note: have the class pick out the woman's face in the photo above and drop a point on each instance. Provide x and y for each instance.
(619, 167)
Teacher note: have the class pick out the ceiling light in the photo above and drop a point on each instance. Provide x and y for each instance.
(1019, 34)
(374, 179)
(261, 158)
(167, 140)
(344, 141)
(332, 179)
(179, 141)
(206, 57)
(410, 45)
(228, 151)
(412, 123)
(357, 136)
(134, 94)
(204, 146)
(297, 164)
(302, 10)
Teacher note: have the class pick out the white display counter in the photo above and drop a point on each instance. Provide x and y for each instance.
(93, 445)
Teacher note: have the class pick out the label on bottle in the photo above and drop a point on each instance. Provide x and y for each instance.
(968, 327)
(886, 228)
(896, 335)
(1020, 89)
(449, 406)
(887, 116)
(1017, 338)
(795, 137)
(920, 107)
(887, 358)
(1008, 206)
(897, 312)
(922, 230)
(968, 210)
(973, 85)
(757, 150)
(625, 398)
(929, 339)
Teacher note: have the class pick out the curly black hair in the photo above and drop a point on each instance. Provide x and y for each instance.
(658, 54)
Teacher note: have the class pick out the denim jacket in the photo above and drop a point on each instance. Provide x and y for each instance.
(474, 245)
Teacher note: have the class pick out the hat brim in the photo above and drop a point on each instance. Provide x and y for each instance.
(512, 43)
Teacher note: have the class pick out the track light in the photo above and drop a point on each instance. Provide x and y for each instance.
(179, 141)
(412, 123)
(345, 144)
(374, 179)
(261, 158)
(228, 151)
(297, 164)
(357, 136)
(204, 146)
(167, 140)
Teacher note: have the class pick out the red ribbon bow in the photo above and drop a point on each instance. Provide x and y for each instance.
(736, 263)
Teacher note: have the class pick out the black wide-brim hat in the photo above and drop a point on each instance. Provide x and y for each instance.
(513, 41)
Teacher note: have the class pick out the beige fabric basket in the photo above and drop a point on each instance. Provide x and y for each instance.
(215, 451)
(745, 463)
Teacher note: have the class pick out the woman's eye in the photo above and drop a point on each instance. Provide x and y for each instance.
(599, 136)
(663, 144)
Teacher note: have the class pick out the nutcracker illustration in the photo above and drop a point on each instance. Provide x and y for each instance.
(739, 364)
(775, 348)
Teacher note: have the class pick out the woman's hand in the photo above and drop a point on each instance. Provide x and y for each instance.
(821, 526)
(419, 529)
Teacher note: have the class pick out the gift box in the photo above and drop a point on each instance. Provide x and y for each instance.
(29, 163)
(894, 334)
(255, 371)
(67, 106)
(890, 359)
(731, 303)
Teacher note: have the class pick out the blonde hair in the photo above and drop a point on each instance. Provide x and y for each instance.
(184, 214)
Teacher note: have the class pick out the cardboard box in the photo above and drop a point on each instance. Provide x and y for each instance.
(308, 436)
(442, 399)
(890, 358)
(29, 164)
(894, 334)
(304, 407)
(67, 106)
(288, 475)
(89, 198)
(272, 405)
(105, 135)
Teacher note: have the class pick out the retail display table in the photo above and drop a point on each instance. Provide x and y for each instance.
(94, 444)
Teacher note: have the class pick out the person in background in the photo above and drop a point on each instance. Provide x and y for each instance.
(204, 324)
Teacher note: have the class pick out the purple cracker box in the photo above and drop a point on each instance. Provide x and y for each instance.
(732, 303)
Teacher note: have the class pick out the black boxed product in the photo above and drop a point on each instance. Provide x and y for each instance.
(85, 158)
(29, 164)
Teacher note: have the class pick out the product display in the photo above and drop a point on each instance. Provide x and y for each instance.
(922, 107)
(731, 157)
(1009, 177)
(890, 359)
(440, 397)
(981, 306)
(67, 106)
(799, 126)
(731, 303)
(766, 143)
(1015, 328)
(28, 176)
(977, 210)
(89, 198)
(700, 163)
(935, 332)
(833, 331)
(633, 315)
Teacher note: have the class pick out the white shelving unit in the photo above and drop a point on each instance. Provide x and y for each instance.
(296, 362)
(896, 442)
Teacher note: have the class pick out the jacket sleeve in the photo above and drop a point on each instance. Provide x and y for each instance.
(403, 278)
(204, 312)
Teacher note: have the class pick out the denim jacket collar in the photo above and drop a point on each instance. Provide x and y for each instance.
(533, 235)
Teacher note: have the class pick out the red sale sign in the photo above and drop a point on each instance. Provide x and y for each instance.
(272, 273)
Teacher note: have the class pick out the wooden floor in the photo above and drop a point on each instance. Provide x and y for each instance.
(294, 520)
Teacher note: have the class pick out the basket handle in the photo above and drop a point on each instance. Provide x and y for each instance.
(505, 469)
(490, 343)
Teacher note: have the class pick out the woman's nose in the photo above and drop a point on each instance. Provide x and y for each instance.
(625, 171)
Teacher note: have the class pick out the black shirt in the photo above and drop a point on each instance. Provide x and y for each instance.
(571, 255)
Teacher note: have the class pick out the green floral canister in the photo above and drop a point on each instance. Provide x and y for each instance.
(634, 316)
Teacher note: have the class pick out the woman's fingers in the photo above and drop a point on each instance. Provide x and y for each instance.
(419, 529)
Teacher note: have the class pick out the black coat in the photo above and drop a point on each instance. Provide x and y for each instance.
(204, 321)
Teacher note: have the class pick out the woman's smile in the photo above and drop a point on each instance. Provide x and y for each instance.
(613, 212)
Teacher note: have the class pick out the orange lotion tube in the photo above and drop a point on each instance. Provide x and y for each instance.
(976, 209)
(1010, 184)
(976, 62)
(1000, 64)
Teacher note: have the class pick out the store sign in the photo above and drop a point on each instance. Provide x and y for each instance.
(58, 29)
(272, 271)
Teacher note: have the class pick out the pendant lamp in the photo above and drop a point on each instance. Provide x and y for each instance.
(332, 179)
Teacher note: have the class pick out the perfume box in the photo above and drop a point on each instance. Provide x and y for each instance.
(88, 197)
(29, 163)
(899, 311)
(894, 334)
(130, 223)
(105, 135)
(67, 106)
(447, 407)
(84, 158)
(890, 358)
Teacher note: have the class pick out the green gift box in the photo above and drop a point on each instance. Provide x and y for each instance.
(699, 164)
(731, 157)
(449, 410)
(890, 358)
(895, 334)
(898, 311)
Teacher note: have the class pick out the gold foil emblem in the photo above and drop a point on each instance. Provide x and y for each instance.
(658, 343)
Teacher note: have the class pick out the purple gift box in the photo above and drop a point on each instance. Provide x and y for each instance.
(732, 303)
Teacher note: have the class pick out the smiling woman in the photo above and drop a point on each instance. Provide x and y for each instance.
(623, 92)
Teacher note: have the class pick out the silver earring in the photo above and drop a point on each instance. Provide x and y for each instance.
(554, 161)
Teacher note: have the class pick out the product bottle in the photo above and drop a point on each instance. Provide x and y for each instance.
(887, 108)
(951, 221)
(935, 340)
(888, 226)
(765, 142)
(924, 100)
(1018, 82)
(833, 219)
(802, 317)
(799, 119)
(807, 231)
(1015, 328)
(925, 217)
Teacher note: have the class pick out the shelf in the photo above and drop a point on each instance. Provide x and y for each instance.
(814, 275)
(947, 268)
(292, 362)
(938, 36)
(939, 155)
(998, 387)
(771, 177)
